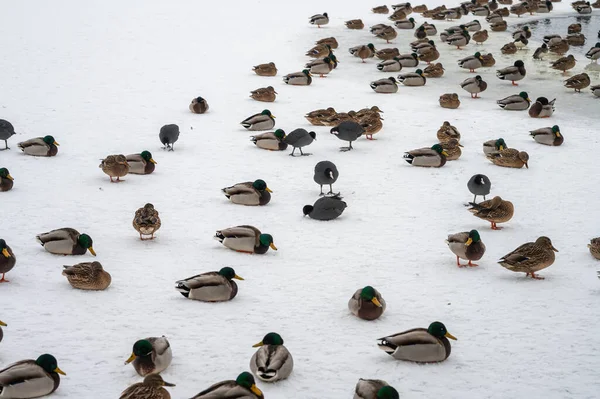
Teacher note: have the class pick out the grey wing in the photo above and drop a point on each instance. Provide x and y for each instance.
(243, 231)
(252, 119)
(30, 142)
(240, 188)
(202, 280)
(458, 237)
(369, 388)
(423, 152)
(517, 254)
(20, 373)
(58, 234)
(160, 344)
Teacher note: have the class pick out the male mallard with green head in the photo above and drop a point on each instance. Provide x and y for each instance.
(7, 260)
(244, 386)
(66, 241)
(246, 239)
(40, 146)
(272, 361)
(367, 303)
(30, 378)
(6, 180)
(272, 141)
(141, 164)
(211, 286)
(374, 389)
(151, 355)
(249, 193)
(466, 245)
(421, 345)
(434, 157)
(262, 121)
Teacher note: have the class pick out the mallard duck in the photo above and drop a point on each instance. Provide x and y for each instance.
(447, 132)
(548, 135)
(246, 239)
(552, 39)
(150, 388)
(525, 31)
(516, 102)
(421, 47)
(199, 105)
(434, 70)
(408, 60)
(513, 73)
(373, 111)
(407, 24)
(594, 247)
(141, 164)
(380, 10)
(434, 157)
(7, 261)
(87, 276)
(491, 146)
(466, 245)
(263, 121)
(363, 52)
(576, 39)
(338, 118)
(319, 19)
(210, 287)
(453, 148)
(430, 29)
(530, 258)
(319, 51)
(545, 7)
(303, 78)
(578, 82)
(331, 41)
(375, 29)
(244, 386)
(151, 355)
(452, 14)
(449, 100)
(474, 86)
(30, 378)
(509, 48)
(6, 180)
(459, 40)
(392, 65)
(420, 8)
(272, 141)
(564, 63)
(471, 62)
(542, 108)
(507, 2)
(66, 241)
(387, 34)
(321, 66)
(473, 26)
(559, 47)
(519, 9)
(268, 69)
(499, 26)
(578, 3)
(412, 79)
(40, 146)
(419, 345)
(355, 24)
(272, 361)
(487, 60)
(494, 17)
(429, 55)
(406, 7)
(374, 389)
(398, 15)
(316, 117)
(509, 158)
(494, 211)
(540, 51)
(367, 303)
(594, 53)
(387, 53)
(584, 9)
(249, 193)
(146, 221)
(264, 94)
(480, 36)
(595, 92)
(479, 185)
(371, 124)
(483, 11)
(389, 85)
(115, 166)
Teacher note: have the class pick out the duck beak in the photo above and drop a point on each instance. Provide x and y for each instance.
(273, 247)
(256, 391)
(59, 371)
(268, 189)
(55, 143)
(153, 161)
(9, 177)
(131, 358)
(526, 165)
(275, 92)
(92, 251)
(445, 153)
(501, 147)
(460, 145)
(168, 384)
(589, 245)
(469, 242)
(557, 134)
(448, 335)
(273, 116)
(237, 277)
(6, 254)
(556, 250)
(3, 324)
(257, 345)
(376, 302)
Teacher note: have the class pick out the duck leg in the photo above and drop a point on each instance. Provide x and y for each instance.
(471, 264)
(513, 83)
(495, 227)
(3, 280)
(458, 262)
(534, 276)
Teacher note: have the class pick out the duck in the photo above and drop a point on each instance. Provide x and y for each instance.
(141, 164)
(516, 102)
(40, 146)
(519, 9)
(392, 65)
(249, 193)
(272, 361)
(151, 355)
(494, 17)
(542, 108)
(272, 141)
(150, 388)
(387, 34)
(453, 149)
(487, 60)
(338, 118)
(499, 26)
(483, 11)
(375, 29)
(509, 158)
(406, 24)
(595, 91)
(509, 48)
(387, 53)
(115, 166)
(321, 66)
(447, 132)
(480, 36)
(331, 41)
(513, 73)
(429, 55)
(584, 9)
(434, 70)
(578, 82)
(31, 378)
(326, 173)
(532, 6)
(6, 180)
(574, 28)
(594, 247)
(594, 53)
(494, 211)
(66, 241)
(319, 51)
(367, 303)
(7, 262)
(530, 257)
(87, 276)
(420, 9)
(473, 26)
(430, 29)
(474, 86)
(317, 116)
(564, 63)
(459, 40)
(576, 39)
(374, 389)
(479, 185)
(244, 386)
(548, 135)
(409, 60)
(264, 94)
(372, 125)
(412, 79)
(363, 52)
(211, 286)
(466, 245)
(491, 146)
(303, 78)
(388, 85)
(367, 112)
(419, 345)
(540, 51)
(146, 221)
(326, 208)
(525, 31)
(355, 24)
(380, 10)
(245, 238)
(319, 19)
(262, 121)
(434, 157)
(268, 69)
(471, 62)
(398, 15)
(559, 47)
(420, 33)
(199, 105)
(449, 100)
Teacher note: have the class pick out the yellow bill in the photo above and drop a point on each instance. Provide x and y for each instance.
(131, 358)
(237, 277)
(55, 143)
(445, 153)
(6, 253)
(448, 335)
(257, 345)
(9, 177)
(376, 302)
(153, 161)
(273, 247)
(269, 190)
(256, 391)
(3, 324)
(59, 371)
(92, 251)
(469, 242)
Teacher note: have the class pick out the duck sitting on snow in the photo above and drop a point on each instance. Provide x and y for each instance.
(303, 78)
(389, 85)
(263, 121)
(210, 287)
(413, 78)
(151, 355)
(246, 239)
(244, 386)
(272, 141)
(40, 146)
(548, 135)
(434, 157)
(509, 158)
(516, 102)
(30, 378)
(249, 193)
(272, 361)
(542, 108)
(374, 389)
(141, 164)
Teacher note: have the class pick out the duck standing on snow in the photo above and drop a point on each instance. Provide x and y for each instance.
(548, 135)
(420, 345)
(303, 78)
(594, 53)
(512, 73)
(449, 100)
(7, 262)
(246, 239)
(263, 121)
(471, 62)
(326, 173)
(374, 389)
(150, 388)
(516, 102)
(412, 79)
(151, 355)
(594, 247)
(146, 221)
(494, 211)
(87, 276)
(389, 85)
(434, 157)
(564, 63)
(40, 146)
(466, 245)
(115, 166)
(480, 36)
(6, 180)
(367, 303)
(347, 131)
(479, 185)
(199, 105)
(474, 86)
(299, 138)
(510, 158)
(244, 386)
(141, 164)
(168, 135)
(268, 69)
(542, 108)
(363, 52)
(578, 82)
(210, 287)
(530, 258)
(319, 19)
(264, 94)
(249, 193)
(30, 378)
(66, 241)
(325, 208)
(272, 361)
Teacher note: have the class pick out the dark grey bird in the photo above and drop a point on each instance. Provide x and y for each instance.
(348, 131)
(479, 185)
(540, 51)
(326, 173)
(299, 138)
(326, 208)
(6, 131)
(169, 134)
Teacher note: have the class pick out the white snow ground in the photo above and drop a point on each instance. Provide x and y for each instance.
(104, 76)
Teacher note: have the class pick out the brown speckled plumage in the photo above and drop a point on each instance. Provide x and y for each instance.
(530, 257)
(87, 276)
(494, 211)
(146, 221)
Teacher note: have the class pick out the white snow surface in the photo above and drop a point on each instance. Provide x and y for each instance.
(104, 76)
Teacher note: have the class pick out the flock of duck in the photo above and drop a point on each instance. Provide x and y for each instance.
(273, 361)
